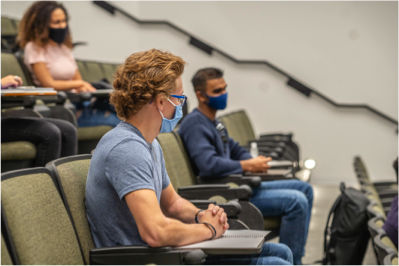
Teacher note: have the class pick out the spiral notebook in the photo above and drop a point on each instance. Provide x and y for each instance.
(233, 242)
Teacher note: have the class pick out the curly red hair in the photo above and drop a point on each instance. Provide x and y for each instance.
(142, 78)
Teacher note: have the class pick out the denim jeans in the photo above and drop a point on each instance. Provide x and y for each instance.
(271, 254)
(53, 138)
(97, 117)
(293, 200)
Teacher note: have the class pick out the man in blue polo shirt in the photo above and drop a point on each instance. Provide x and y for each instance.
(215, 154)
(129, 197)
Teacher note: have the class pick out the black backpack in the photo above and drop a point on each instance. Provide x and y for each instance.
(347, 236)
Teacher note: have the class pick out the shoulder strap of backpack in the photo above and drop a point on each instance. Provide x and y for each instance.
(328, 227)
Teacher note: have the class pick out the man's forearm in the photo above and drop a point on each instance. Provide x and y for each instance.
(176, 233)
(182, 210)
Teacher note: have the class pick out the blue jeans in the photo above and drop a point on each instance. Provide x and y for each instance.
(96, 117)
(271, 254)
(293, 200)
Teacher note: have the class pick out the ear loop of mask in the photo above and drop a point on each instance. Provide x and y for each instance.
(160, 110)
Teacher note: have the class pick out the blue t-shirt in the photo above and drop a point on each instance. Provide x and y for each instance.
(209, 154)
(123, 161)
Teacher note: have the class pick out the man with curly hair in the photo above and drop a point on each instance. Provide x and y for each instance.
(129, 197)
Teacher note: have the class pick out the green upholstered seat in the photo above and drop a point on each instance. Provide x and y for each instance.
(17, 155)
(15, 23)
(5, 259)
(239, 127)
(383, 247)
(388, 242)
(71, 173)
(17, 150)
(375, 225)
(11, 66)
(92, 133)
(94, 72)
(81, 67)
(176, 162)
(38, 222)
(7, 27)
(109, 72)
(180, 172)
(90, 71)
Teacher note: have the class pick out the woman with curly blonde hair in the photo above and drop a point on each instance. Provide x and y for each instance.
(129, 197)
(46, 39)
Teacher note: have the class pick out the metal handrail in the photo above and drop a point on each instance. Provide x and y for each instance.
(294, 83)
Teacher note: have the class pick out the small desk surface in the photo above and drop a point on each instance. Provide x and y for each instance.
(30, 92)
(101, 92)
(26, 97)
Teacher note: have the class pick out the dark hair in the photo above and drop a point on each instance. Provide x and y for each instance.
(200, 78)
(35, 24)
(143, 77)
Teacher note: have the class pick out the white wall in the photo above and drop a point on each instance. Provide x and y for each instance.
(346, 50)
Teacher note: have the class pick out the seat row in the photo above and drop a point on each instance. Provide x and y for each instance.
(21, 154)
(44, 217)
(279, 146)
(44, 221)
(380, 195)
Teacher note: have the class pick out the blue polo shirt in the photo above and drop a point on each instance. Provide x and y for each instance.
(209, 154)
(123, 161)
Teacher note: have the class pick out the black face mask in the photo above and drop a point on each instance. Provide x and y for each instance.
(58, 35)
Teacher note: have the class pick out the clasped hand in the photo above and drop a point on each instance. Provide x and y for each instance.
(216, 216)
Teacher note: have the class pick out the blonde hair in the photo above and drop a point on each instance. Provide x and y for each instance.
(143, 77)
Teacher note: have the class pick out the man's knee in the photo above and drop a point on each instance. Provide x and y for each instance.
(277, 250)
(298, 201)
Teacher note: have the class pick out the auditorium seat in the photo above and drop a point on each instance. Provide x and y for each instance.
(383, 246)
(40, 221)
(93, 72)
(109, 72)
(9, 32)
(39, 224)
(11, 66)
(375, 226)
(375, 209)
(4, 255)
(71, 175)
(391, 259)
(180, 172)
(18, 154)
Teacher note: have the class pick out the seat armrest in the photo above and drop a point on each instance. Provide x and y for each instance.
(273, 174)
(128, 255)
(79, 97)
(207, 191)
(202, 204)
(252, 181)
(261, 143)
(280, 164)
(273, 155)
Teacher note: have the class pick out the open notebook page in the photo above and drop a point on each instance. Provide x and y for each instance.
(233, 242)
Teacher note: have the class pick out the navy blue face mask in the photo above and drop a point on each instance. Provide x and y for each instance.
(217, 102)
(58, 35)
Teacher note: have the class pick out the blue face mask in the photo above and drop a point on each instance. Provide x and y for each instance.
(218, 102)
(169, 124)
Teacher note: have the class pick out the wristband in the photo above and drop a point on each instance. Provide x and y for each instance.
(213, 230)
(196, 216)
